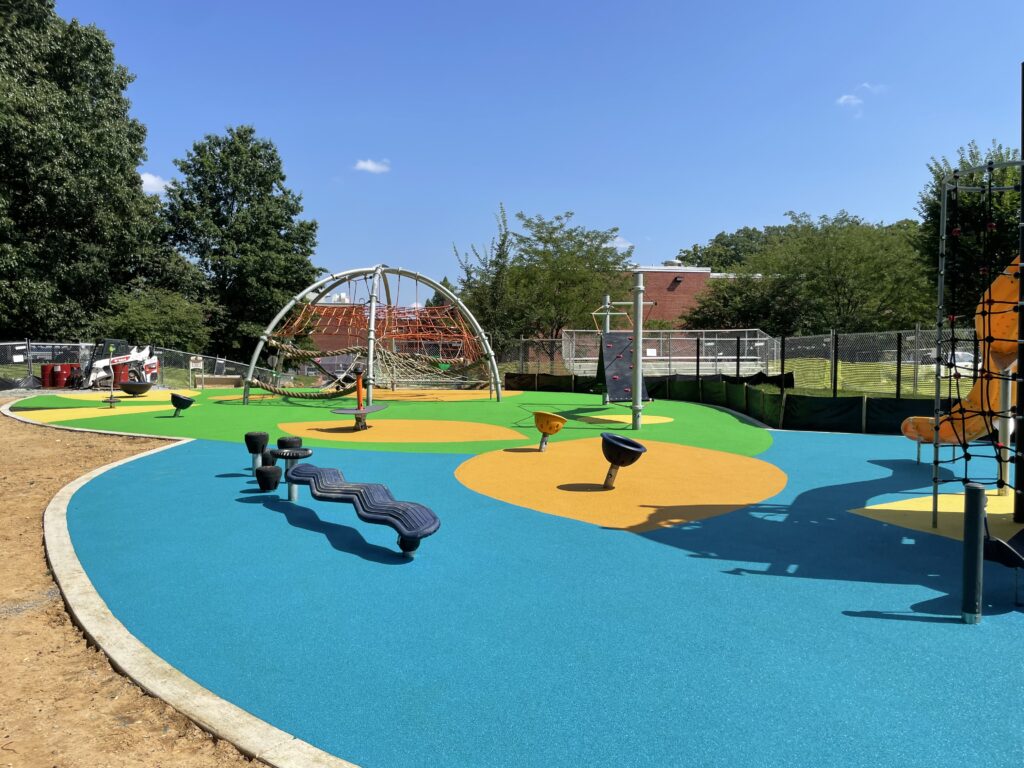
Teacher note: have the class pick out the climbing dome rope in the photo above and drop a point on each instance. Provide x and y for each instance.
(360, 319)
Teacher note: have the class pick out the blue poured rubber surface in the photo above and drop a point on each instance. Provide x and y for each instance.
(791, 633)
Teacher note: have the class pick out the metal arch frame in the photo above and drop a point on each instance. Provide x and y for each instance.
(380, 273)
(951, 182)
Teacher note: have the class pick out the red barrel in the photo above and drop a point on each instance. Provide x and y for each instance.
(120, 373)
(60, 375)
(47, 374)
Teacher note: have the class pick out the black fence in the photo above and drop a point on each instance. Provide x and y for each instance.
(749, 395)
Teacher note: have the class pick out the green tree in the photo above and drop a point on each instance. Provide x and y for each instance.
(726, 251)
(564, 271)
(75, 226)
(157, 316)
(232, 213)
(836, 272)
(981, 230)
(490, 286)
(438, 300)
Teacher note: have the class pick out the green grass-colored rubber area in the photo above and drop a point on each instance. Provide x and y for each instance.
(211, 419)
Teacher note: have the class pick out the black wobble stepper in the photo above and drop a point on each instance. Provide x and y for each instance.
(180, 403)
(619, 452)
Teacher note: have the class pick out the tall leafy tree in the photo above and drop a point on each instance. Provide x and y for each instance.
(835, 272)
(565, 270)
(981, 230)
(75, 226)
(490, 285)
(231, 212)
(726, 251)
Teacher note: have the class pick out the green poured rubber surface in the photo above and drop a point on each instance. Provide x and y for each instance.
(210, 419)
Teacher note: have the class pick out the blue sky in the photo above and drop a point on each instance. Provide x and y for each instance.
(670, 120)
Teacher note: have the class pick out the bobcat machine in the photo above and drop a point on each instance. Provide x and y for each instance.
(110, 354)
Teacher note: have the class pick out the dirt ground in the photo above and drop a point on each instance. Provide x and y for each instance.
(61, 703)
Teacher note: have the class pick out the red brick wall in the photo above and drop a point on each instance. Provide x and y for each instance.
(673, 298)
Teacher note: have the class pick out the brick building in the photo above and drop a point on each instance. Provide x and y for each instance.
(674, 289)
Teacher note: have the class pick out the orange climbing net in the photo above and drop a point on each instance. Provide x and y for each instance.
(436, 332)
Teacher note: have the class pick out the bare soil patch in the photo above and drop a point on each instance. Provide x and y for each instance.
(61, 703)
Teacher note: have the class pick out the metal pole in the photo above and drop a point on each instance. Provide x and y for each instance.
(835, 363)
(782, 365)
(371, 338)
(899, 363)
(1018, 466)
(606, 326)
(638, 352)
(974, 542)
(1005, 404)
(939, 320)
(917, 353)
(737, 357)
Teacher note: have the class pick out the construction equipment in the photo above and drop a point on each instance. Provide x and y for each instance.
(123, 361)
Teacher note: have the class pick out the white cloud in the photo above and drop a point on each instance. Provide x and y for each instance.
(849, 100)
(873, 87)
(621, 244)
(373, 166)
(153, 184)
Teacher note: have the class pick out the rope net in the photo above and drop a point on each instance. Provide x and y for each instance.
(977, 371)
(415, 347)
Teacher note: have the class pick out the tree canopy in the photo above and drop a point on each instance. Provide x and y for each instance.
(981, 232)
(231, 212)
(75, 226)
(537, 282)
(812, 276)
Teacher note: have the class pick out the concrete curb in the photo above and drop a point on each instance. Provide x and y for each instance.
(252, 736)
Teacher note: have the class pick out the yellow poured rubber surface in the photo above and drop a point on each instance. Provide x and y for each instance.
(622, 418)
(153, 394)
(916, 514)
(669, 485)
(54, 415)
(437, 395)
(343, 430)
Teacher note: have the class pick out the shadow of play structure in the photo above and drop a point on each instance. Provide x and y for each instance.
(796, 540)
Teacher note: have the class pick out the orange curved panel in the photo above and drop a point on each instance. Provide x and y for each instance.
(964, 422)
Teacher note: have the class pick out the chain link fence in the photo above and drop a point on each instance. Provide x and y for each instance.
(894, 363)
(25, 365)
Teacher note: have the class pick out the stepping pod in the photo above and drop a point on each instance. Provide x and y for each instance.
(180, 403)
(256, 443)
(619, 451)
(547, 424)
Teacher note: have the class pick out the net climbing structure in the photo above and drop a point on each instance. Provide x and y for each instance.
(361, 320)
(977, 379)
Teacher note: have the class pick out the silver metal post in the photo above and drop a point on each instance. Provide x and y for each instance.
(606, 325)
(638, 351)
(1005, 403)
(371, 337)
(939, 320)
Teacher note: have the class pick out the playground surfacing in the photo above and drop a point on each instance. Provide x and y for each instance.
(788, 631)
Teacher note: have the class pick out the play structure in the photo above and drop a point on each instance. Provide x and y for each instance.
(547, 424)
(619, 452)
(359, 318)
(620, 366)
(180, 403)
(373, 503)
(361, 410)
(979, 420)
